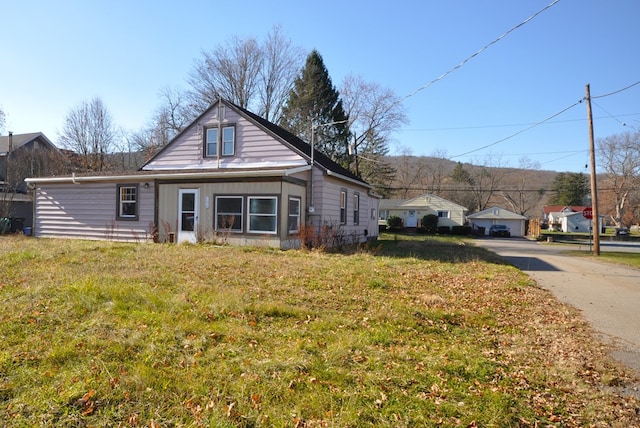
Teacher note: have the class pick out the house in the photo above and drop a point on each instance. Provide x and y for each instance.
(497, 215)
(22, 156)
(230, 175)
(577, 222)
(412, 211)
(553, 214)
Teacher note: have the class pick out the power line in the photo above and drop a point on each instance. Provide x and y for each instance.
(478, 52)
(616, 92)
(505, 125)
(610, 115)
(519, 132)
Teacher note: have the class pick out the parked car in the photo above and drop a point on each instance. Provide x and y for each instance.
(622, 231)
(499, 230)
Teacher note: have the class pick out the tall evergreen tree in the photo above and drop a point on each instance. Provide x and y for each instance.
(569, 188)
(314, 111)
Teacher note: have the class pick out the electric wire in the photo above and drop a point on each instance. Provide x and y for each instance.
(478, 52)
(616, 92)
(519, 132)
(504, 125)
(611, 116)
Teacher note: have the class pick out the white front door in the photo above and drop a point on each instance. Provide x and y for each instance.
(188, 215)
(412, 218)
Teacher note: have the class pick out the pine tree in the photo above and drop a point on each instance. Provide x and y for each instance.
(314, 110)
(569, 188)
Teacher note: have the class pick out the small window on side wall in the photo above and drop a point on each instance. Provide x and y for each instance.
(294, 215)
(343, 207)
(127, 208)
(356, 208)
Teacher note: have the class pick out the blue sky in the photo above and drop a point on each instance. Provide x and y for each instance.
(54, 55)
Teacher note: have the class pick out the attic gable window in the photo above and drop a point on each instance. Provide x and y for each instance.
(221, 140)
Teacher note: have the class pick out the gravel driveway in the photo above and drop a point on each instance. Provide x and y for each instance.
(608, 295)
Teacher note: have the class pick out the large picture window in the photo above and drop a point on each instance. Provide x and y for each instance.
(229, 213)
(263, 214)
(294, 215)
(127, 202)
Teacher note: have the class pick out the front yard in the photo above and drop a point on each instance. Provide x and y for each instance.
(413, 331)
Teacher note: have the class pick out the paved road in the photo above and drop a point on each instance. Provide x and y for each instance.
(608, 295)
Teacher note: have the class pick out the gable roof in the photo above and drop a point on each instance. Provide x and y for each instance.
(563, 208)
(429, 199)
(286, 137)
(19, 140)
(497, 213)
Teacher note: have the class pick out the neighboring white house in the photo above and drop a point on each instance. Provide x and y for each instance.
(553, 214)
(229, 173)
(497, 215)
(576, 222)
(412, 211)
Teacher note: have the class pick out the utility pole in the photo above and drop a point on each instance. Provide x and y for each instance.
(594, 187)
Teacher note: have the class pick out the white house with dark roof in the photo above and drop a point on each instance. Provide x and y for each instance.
(229, 174)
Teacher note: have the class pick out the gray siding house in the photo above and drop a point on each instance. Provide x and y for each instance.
(230, 175)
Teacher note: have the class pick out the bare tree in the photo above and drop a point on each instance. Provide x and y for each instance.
(435, 170)
(170, 118)
(280, 66)
(619, 157)
(3, 119)
(374, 114)
(256, 76)
(486, 179)
(89, 131)
(519, 194)
(230, 71)
(253, 76)
(408, 173)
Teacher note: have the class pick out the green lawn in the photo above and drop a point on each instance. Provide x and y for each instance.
(408, 332)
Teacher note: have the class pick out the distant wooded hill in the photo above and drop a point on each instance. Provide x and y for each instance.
(476, 187)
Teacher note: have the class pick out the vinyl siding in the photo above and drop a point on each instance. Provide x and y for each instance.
(88, 211)
(168, 210)
(254, 148)
(327, 206)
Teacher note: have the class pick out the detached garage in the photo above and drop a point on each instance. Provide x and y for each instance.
(497, 215)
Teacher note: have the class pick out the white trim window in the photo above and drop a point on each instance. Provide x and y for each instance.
(443, 214)
(211, 143)
(127, 202)
(224, 136)
(229, 213)
(294, 215)
(343, 206)
(263, 214)
(356, 208)
(228, 140)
